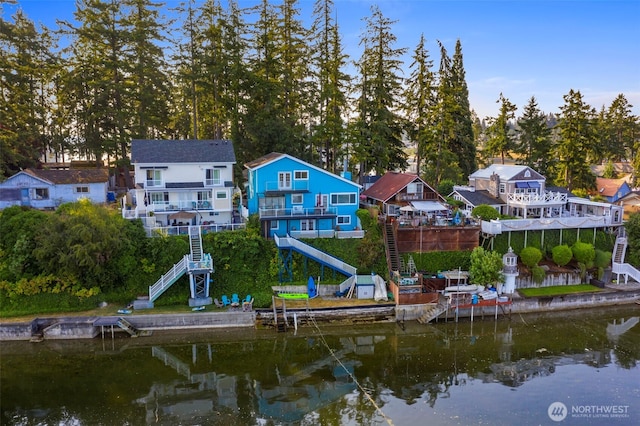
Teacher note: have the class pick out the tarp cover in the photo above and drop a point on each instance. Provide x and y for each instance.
(428, 206)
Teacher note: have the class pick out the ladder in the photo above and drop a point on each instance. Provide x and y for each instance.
(128, 327)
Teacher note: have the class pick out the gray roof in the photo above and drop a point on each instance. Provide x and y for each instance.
(506, 172)
(182, 151)
(476, 198)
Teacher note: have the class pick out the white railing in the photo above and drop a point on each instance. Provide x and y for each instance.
(167, 206)
(205, 264)
(296, 211)
(547, 198)
(294, 185)
(168, 279)
(627, 270)
(496, 227)
(314, 252)
(327, 233)
(184, 229)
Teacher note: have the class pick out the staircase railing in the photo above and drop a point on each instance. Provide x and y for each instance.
(168, 279)
(321, 256)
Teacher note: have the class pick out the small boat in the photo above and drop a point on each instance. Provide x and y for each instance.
(124, 311)
(463, 288)
(199, 308)
(294, 296)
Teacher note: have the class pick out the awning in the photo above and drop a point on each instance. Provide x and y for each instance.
(534, 184)
(428, 206)
(522, 185)
(182, 215)
(407, 208)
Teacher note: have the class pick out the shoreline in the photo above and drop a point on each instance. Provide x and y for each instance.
(60, 327)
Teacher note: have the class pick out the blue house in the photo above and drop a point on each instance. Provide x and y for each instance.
(297, 198)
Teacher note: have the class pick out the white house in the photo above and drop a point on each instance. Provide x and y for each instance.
(183, 182)
(520, 191)
(47, 189)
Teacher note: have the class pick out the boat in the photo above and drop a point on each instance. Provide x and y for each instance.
(124, 311)
(198, 308)
(293, 296)
(472, 288)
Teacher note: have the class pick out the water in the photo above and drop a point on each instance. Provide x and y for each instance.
(483, 373)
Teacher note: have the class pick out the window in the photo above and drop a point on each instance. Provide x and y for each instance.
(307, 225)
(81, 190)
(275, 224)
(345, 198)
(41, 193)
(527, 174)
(414, 188)
(154, 178)
(297, 198)
(503, 188)
(284, 180)
(221, 195)
(159, 197)
(212, 177)
(343, 220)
(301, 175)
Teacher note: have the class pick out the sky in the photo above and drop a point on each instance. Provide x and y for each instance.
(520, 48)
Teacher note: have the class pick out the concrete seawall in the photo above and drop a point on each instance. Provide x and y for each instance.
(90, 327)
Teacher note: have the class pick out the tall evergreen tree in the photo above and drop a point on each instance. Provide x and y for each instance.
(99, 74)
(501, 136)
(622, 130)
(534, 143)
(577, 138)
(25, 93)
(380, 87)
(463, 144)
(150, 96)
(331, 86)
(445, 164)
(420, 104)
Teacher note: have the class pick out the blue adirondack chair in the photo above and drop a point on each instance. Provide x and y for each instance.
(225, 300)
(235, 300)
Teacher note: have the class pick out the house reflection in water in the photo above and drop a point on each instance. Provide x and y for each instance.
(205, 395)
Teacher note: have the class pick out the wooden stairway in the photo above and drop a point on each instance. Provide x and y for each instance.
(434, 311)
(128, 327)
(392, 249)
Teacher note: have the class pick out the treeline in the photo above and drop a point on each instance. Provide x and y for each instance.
(129, 69)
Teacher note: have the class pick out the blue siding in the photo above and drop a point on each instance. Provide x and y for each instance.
(309, 185)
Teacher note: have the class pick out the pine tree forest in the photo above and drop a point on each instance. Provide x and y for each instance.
(269, 80)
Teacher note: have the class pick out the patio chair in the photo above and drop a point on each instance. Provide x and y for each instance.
(218, 303)
(235, 300)
(225, 300)
(247, 304)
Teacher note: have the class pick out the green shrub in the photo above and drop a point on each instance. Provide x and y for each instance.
(485, 212)
(561, 254)
(584, 253)
(602, 259)
(530, 256)
(538, 274)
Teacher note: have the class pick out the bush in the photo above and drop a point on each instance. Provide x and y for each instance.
(561, 254)
(485, 212)
(538, 274)
(584, 253)
(602, 259)
(530, 256)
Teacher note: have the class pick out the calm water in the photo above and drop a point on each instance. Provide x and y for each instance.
(489, 373)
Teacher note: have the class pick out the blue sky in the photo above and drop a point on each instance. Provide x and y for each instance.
(521, 48)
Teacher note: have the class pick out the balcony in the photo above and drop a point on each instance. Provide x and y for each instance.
(297, 212)
(275, 187)
(534, 199)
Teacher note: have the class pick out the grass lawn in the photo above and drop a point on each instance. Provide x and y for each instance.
(558, 290)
